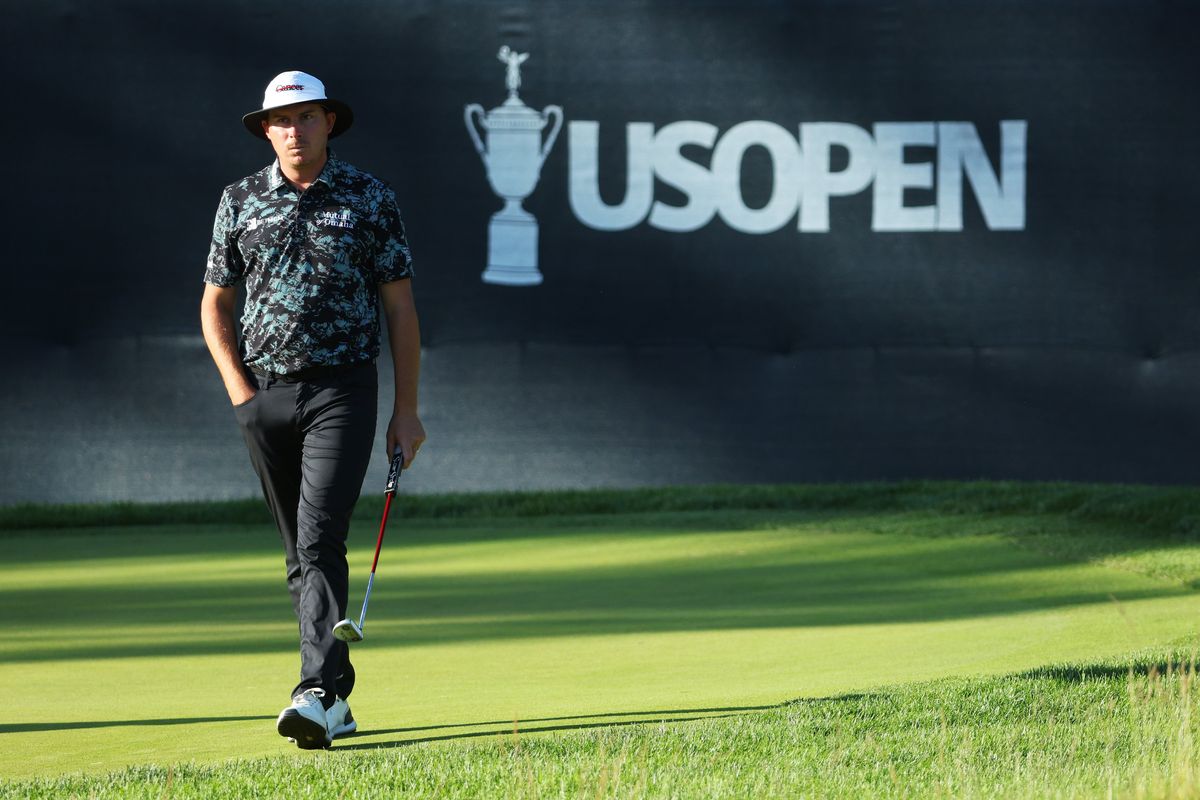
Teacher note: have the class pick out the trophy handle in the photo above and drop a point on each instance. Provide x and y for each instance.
(556, 112)
(474, 109)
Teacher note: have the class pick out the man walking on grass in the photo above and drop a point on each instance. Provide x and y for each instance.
(320, 246)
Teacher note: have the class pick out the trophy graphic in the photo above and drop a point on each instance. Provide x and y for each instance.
(513, 157)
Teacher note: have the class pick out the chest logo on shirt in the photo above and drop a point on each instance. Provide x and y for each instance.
(338, 219)
(258, 222)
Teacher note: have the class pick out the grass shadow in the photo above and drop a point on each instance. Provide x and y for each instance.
(688, 574)
(1092, 672)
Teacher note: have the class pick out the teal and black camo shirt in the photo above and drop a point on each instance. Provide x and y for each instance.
(312, 264)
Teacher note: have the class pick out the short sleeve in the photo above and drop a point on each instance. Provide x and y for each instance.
(393, 259)
(225, 266)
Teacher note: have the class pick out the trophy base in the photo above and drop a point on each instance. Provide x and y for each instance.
(513, 249)
(507, 276)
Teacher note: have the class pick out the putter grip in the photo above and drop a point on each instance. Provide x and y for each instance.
(394, 473)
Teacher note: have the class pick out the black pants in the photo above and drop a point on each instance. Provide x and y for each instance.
(310, 441)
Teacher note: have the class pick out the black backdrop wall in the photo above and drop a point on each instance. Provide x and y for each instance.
(767, 241)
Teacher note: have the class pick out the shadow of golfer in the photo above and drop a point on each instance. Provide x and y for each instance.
(576, 722)
(30, 727)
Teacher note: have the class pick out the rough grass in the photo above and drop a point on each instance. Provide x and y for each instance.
(1121, 728)
(1154, 509)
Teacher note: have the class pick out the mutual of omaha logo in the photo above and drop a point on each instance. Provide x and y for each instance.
(338, 219)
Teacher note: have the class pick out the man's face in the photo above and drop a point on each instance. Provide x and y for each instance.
(299, 133)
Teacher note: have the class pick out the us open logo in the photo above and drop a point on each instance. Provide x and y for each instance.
(803, 177)
(803, 180)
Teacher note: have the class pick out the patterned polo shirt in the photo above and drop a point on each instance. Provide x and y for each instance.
(312, 263)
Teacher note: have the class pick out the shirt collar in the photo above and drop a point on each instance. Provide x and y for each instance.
(332, 170)
(329, 173)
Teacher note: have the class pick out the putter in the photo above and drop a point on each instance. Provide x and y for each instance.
(348, 630)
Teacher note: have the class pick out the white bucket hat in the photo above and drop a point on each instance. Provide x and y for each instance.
(291, 87)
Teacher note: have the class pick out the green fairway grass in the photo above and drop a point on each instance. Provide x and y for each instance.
(499, 643)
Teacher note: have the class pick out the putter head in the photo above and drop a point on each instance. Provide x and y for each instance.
(347, 631)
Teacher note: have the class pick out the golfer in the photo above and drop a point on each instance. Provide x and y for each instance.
(319, 246)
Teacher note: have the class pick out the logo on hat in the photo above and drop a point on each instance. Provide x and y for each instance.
(513, 158)
(290, 88)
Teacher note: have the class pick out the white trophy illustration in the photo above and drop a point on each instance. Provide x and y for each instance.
(513, 157)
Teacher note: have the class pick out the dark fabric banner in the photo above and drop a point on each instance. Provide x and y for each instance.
(655, 242)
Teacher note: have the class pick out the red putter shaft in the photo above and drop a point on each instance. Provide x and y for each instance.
(387, 504)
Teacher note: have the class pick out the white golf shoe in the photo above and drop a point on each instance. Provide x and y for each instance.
(338, 719)
(305, 721)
